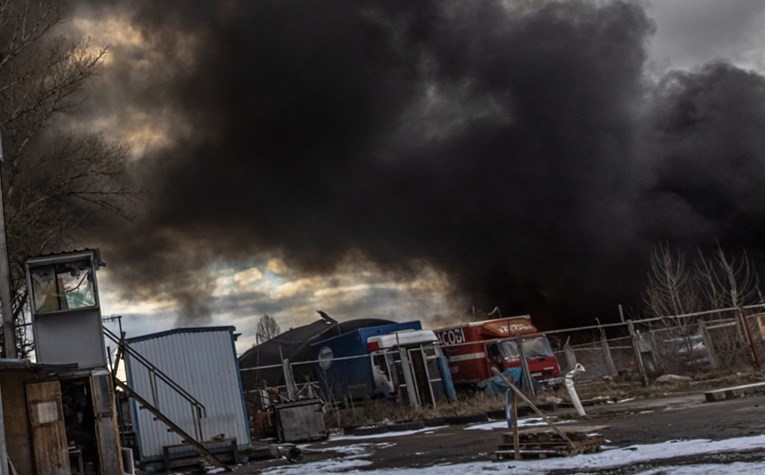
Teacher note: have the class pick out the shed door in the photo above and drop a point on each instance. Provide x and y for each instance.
(46, 416)
(421, 377)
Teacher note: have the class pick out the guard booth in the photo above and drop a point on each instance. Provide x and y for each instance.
(66, 321)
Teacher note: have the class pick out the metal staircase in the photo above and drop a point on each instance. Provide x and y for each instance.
(152, 405)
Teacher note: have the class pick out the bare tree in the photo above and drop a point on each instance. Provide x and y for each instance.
(671, 292)
(719, 281)
(714, 282)
(734, 282)
(708, 282)
(55, 183)
(728, 281)
(670, 289)
(267, 328)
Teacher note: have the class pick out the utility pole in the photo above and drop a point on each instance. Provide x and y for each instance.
(9, 330)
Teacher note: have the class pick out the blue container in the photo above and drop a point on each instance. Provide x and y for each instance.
(351, 374)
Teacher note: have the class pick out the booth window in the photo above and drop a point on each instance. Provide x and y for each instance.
(66, 286)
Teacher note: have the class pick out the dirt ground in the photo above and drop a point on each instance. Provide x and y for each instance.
(639, 421)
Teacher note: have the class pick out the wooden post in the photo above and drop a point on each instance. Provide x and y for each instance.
(570, 353)
(4, 461)
(638, 353)
(9, 326)
(657, 358)
(525, 366)
(708, 344)
(516, 437)
(533, 407)
(606, 349)
(107, 432)
(289, 379)
(749, 340)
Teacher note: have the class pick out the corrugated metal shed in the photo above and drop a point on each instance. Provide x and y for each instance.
(203, 362)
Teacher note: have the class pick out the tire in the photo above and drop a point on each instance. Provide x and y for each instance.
(369, 430)
(402, 426)
(469, 419)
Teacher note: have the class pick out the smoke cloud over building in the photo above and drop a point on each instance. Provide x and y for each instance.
(529, 151)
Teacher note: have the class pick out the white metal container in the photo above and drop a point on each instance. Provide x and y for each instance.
(203, 362)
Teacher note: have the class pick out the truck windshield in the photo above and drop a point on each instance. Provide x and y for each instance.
(533, 347)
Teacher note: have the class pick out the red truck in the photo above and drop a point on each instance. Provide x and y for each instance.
(474, 348)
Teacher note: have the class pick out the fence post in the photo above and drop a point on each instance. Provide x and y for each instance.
(638, 353)
(708, 344)
(289, 379)
(655, 354)
(748, 333)
(759, 332)
(525, 366)
(606, 349)
(570, 353)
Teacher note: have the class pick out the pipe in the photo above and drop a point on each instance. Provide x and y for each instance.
(510, 412)
(446, 378)
(572, 392)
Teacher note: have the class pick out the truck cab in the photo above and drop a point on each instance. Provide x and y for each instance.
(474, 348)
(536, 348)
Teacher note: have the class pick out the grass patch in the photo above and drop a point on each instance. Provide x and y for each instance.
(379, 412)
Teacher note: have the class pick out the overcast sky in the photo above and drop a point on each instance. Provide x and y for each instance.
(690, 33)
(409, 160)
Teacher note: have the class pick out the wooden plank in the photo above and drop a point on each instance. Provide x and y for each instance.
(547, 443)
(733, 392)
(528, 452)
(567, 429)
(516, 440)
(576, 444)
(558, 441)
(107, 433)
(527, 401)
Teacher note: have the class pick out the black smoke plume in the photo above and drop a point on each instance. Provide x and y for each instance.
(520, 147)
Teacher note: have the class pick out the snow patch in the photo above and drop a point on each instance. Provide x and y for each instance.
(526, 422)
(618, 457)
(385, 435)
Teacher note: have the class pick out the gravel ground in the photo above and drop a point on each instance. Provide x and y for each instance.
(642, 421)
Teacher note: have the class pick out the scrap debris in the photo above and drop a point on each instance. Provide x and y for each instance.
(543, 442)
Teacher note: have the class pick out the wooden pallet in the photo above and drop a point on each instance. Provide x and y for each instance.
(543, 442)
